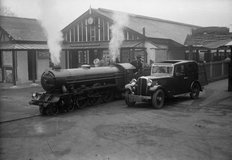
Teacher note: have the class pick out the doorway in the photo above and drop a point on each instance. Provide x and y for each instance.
(32, 69)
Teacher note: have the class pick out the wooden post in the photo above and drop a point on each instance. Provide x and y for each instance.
(66, 59)
(33, 66)
(14, 69)
(230, 72)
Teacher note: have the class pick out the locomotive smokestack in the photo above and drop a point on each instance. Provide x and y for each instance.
(56, 67)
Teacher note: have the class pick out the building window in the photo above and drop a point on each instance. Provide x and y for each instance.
(72, 35)
(78, 33)
(108, 31)
(81, 32)
(83, 57)
(99, 29)
(84, 32)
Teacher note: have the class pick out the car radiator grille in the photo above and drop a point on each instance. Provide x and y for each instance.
(142, 86)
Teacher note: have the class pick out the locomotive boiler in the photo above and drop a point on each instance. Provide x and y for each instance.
(68, 89)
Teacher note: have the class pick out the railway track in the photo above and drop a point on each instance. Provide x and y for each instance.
(20, 118)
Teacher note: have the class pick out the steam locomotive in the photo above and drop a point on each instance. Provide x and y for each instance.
(68, 89)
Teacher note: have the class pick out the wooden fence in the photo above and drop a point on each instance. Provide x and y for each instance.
(212, 71)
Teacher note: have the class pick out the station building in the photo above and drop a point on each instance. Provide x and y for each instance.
(24, 53)
(88, 38)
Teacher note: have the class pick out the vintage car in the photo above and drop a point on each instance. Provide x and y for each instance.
(167, 79)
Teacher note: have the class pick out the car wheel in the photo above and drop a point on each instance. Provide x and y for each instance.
(195, 90)
(127, 99)
(158, 99)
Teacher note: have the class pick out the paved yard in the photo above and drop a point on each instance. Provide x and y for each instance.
(184, 130)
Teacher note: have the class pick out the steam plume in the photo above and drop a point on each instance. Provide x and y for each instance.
(50, 22)
(120, 20)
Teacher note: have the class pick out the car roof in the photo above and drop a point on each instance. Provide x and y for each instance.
(172, 62)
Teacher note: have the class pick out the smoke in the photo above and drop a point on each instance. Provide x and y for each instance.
(50, 20)
(120, 20)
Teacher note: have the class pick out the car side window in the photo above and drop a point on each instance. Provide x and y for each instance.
(179, 70)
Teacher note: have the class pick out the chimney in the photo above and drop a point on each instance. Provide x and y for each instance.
(144, 31)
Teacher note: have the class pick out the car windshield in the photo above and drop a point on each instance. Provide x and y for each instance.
(161, 70)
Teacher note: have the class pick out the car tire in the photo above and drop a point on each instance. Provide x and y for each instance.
(158, 99)
(127, 99)
(195, 91)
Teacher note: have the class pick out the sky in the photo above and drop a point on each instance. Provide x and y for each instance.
(197, 12)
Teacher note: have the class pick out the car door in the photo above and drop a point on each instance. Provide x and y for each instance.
(191, 73)
(180, 79)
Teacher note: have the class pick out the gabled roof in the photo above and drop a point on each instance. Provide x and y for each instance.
(209, 37)
(154, 27)
(22, 29)
(23, 46)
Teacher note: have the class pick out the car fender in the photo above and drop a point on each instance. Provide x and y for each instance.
(197, 83)
(155, 88)
(128, 87)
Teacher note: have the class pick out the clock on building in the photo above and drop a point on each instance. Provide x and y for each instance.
(90, 20)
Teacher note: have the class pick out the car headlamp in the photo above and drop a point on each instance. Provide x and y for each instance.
(149, 82)
(133, 82)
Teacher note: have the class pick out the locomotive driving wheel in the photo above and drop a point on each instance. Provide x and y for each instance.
(107, 96)
(51, 109)
(70, 105)
(93, 98)
(81, 102)
(42, 110)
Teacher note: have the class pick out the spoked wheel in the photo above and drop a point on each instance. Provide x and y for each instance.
(81, 102)
(93, 98)
(107, 96)
(195, 91)
(42, 110)
(71, 105)
(51, 109)
(158, 99)
(128, 101)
